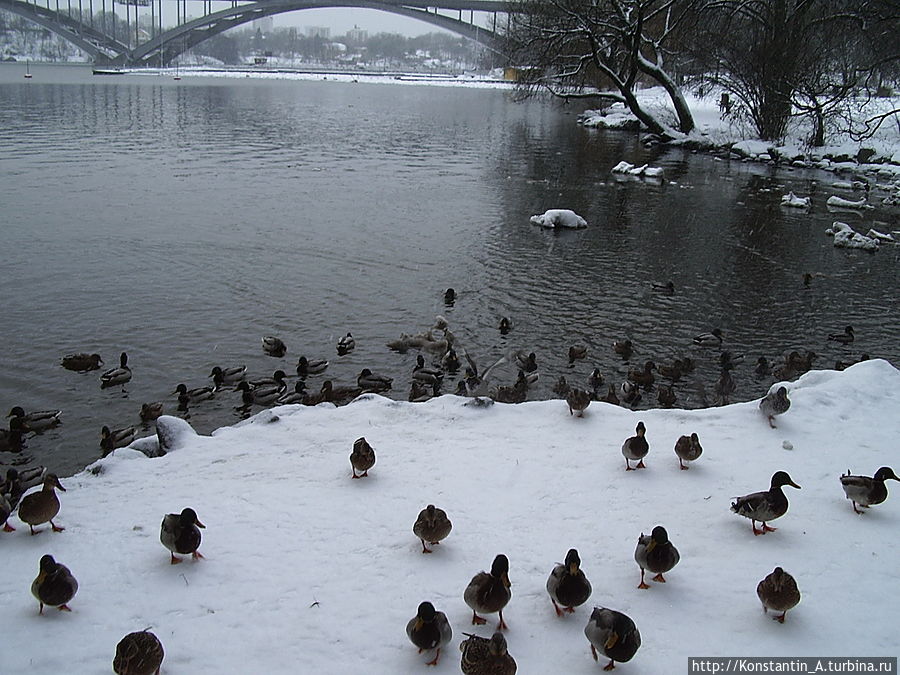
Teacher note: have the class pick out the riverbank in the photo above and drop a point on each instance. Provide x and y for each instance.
(306, 569)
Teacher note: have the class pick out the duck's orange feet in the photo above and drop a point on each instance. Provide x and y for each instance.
(502, 625)
(640, 465)
(766, 528)
(659, 577)
(196, 555)
(559, 612)
(64, 608)
(610, 665)
(56, 528)
(478, 620)
(8, 528)
(780, 619)
(643, 585)
(434, 661)
(570, 610)
(175, 560)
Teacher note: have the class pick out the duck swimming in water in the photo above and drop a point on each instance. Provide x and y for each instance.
(307, 366)
(117, 438)
(373, 382)
(274, 346)
(38, 420)
(82, 362)
(765, 506)
(346, 345)
(119, 375)
(711, 339)
(844, 338)
(223, 376)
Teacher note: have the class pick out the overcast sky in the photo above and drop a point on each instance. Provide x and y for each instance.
(340, 20)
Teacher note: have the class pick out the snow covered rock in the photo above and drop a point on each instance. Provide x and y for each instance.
(554, 218)
(790, 199)
(845, 237)
(644, 171)
(841, 203)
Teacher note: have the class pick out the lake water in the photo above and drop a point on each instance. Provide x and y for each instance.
(181, 221)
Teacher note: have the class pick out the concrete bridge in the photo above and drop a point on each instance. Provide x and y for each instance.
(76, 23)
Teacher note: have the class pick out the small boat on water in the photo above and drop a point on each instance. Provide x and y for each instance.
(27, 71)
(109, 71)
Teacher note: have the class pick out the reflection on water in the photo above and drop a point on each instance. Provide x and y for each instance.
(181, 222)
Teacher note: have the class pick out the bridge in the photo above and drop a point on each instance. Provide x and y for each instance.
(160, 46)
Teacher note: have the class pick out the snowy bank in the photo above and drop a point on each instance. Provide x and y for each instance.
(307, 570)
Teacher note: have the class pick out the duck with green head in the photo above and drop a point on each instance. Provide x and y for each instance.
(765, 506)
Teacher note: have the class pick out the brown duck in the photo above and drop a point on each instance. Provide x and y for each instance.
(41, 507)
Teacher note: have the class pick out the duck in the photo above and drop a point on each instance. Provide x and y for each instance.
(688, 449)
(486, 656)
(577, 352)
(844, 338)
(277, 380)
(426, 374)
(6, 509)
(54, 586)
(802, 363)
(610, 397)
(230, 375)
(595, 381)
(262, 395)
(526, 362)
(42, 506)
(636, 448)
(623, 348)
(674, 372)
(655, 553)
(274, 346)
(561, 387)
(307, 366)
(369, 381)
(514, 394)
(667, 288)
(763, 367)
(450, 361)
(505, 325)
(765, 506)
(429, 629)
(477, 382)
(449, 297)
(345, 345)
(187, 396)
(298, 395)
(180, 533)
(643, 377)
(666, 396)
(725, 386)
(82, 362)
(14, 486)
(778, 592)
(631, 393)
(578, 400)
(13, 439)
(151, 411)
(38, 420)
(138, 653)
(419, 392)
(729, 360)
(711, 339)
(866, 491)
(614, 634)
(117, 438)
(338, 395)
(119, 375)
(843, 365)
(776, 402)
(362, 458)
(567, 584)
(489, 592)
(432, 525)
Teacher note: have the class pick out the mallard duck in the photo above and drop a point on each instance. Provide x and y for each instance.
(450, 361)
(187, 396)
(562, 388)
(505, 325)
(223, 376)
(578, 400)
(180, 533)
(614, 634)
(802, 363)
(667, 288)
(672, 373)
(729, 360)
(631, 393)
(346, 345)
(54, 585)
(82, 362)
(610, 397)
(489, 592)
(636, 448)
(844, 338)
(13, 488)
(449, 297)
(666, 396)
(623, 348)
(655, 553)
(432, 525)
(369, 381)
(526, 362)
(277, 380)
(116, 438)
(274, 346)
(119, 375)
(483, 656)
(577, 352)
(338, 395)
(765, 506)
(712, 339)
(13, 439)
(38, 420)
(424, 373)
(429, 629)
(307, 366)
(362, 458)
(725, 386)
(298, 395)
(763, 367)
(843, 365)
(42, 506)
(476, 381)
(151, 411)
(688, 449)
(138, 653)
(778, 592)
(567, 584)
(514, 394)
(419, 392)
(774, 403)
(866, 491)
(262, 395)
(595, 381)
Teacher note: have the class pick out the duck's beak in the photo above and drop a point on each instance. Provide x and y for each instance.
(793, 484)
(573, 569)
(57, 484)
(199, 524)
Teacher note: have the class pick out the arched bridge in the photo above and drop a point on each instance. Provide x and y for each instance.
(136, 48)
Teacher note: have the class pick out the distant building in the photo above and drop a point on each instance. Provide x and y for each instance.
(357, 34)
(323, 32)
(264, 25)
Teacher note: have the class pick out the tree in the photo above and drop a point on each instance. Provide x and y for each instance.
(581, 47)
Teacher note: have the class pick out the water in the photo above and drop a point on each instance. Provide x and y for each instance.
(182, 221)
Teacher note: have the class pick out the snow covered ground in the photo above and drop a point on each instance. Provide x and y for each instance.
(309, 571)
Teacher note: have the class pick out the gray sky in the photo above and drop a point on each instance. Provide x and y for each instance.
(340, 20)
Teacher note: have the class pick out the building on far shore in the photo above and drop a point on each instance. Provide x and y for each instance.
(323, 32)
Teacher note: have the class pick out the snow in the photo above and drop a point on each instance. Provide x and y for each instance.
(795, 201)
(643, 171)
(306, 570)
(559, 218)
(840, 202)
(846, 237)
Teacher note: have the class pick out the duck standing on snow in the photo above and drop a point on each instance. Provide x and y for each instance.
(346, 345)
(274, 346)
(688, 449)
(844, 338)
(778, 592)
(117, 438)
(38, 420)
(483, 656)
(42, 506)
(713, 339)
(362, 458)
(180, 533)
(82, 362)
(54, 585)
(489, 592)
(866, 491)
(636, 448)
(567, 584)
(655, 553)
(765, 506)
(138, 653)
(115, 376)
(429, 629)
(432, 525)
(578, 400)
(774, 403)
(614, 634)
